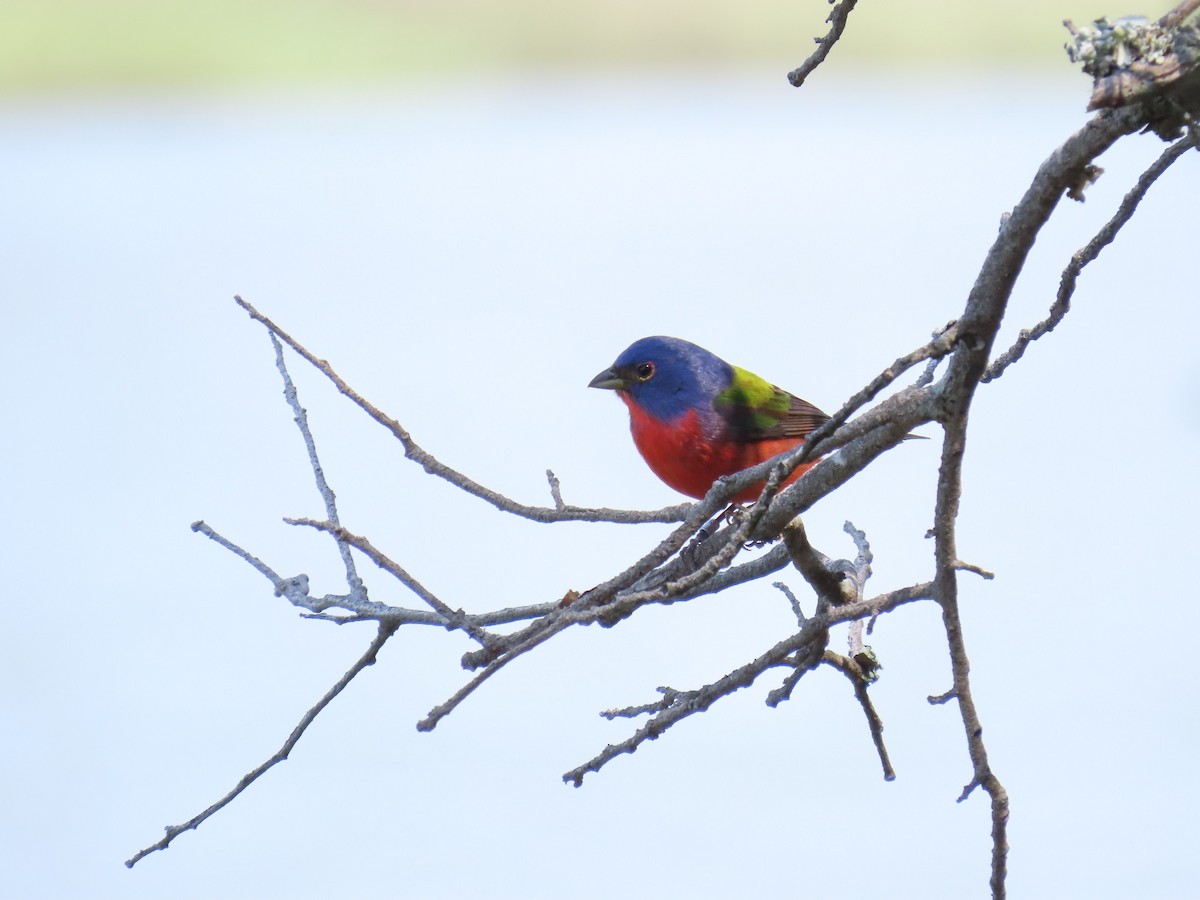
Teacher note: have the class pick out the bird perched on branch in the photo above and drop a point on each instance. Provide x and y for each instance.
(695, 418)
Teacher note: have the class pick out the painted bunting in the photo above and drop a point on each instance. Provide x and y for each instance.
(694, 417)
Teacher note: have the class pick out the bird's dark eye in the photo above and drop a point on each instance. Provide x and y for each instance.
(645, 371)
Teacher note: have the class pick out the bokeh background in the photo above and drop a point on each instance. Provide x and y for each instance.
(470, 208)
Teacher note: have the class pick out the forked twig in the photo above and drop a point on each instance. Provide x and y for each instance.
(1086, 255)
(367, 659)
(808, 644)
(433, 466)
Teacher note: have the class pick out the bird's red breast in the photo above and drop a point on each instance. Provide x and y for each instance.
(689, 460)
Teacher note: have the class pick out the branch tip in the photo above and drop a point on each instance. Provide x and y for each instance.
(837, 21)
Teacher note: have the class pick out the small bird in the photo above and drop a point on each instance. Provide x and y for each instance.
(695, 418)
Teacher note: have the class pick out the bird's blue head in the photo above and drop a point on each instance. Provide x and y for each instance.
(666, 377)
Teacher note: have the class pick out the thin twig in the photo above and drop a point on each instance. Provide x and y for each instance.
(1086, 255)
(300, 416)
(295, 590)
(455, 619)
(202, 527)
(787, 592)
(858, 678)
(977, 570)
(799, 666)
(444, 709)
(810, 642)
(555, 489)
(988, 299)
(837, 19)
(433, 466)
(367, 659)
(949, 493)
(883, 603)
(669, 696)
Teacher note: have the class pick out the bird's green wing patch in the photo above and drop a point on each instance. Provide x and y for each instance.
(756, 410)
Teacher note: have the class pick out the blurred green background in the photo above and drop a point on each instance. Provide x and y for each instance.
(88, 44)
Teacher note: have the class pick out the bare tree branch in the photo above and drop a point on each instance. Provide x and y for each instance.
(837, 19)
(858, 678)
(792, 598)
(301, 418)
(454, 619)
(809, 645)
(433, 466)
(1085, 255)
(949, 494)
(295, 590)
(367, 659)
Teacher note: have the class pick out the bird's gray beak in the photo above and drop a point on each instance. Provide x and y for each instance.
(609, 380)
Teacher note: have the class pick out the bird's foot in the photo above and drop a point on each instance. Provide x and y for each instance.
(734, 515)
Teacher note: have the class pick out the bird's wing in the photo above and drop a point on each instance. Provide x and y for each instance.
(753, 409)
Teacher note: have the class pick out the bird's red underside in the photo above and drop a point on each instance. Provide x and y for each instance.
(688, 460)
